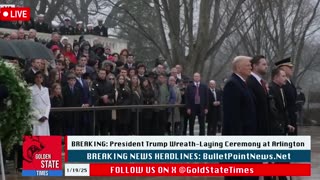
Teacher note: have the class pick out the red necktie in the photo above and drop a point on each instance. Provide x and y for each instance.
(264, 85)
(197, 97)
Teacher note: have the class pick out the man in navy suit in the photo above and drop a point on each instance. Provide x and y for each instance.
(82, 84)
(130, 64)
(239, 116)
(290, 92)
(238, 102)
(258, 86)
(85, 125)
(196, 98)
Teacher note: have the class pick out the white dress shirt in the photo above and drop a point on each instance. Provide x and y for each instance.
(214, 94)
(241, 77)
(80, 81)
(257, 77)
(179, 76)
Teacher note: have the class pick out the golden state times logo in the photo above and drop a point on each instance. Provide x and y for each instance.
(31, 146)
(42, 156)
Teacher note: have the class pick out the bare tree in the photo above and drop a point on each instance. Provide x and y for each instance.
(77, 10)
(280, 29)
(204, 35)
(191, 32)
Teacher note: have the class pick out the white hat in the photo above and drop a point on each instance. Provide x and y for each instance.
(79, 22)
(67, 19)
(64, 37)
(41, 15)
(90, 25)
(54, 24)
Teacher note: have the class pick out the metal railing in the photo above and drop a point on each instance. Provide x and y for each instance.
(101, 108)
(138, 109)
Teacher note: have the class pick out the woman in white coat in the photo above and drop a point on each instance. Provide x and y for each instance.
(40, 104)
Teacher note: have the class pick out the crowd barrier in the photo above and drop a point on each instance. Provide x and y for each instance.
(137, 109)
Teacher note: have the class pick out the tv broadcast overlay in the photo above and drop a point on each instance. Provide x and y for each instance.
(187, 156)
(42, 156)
(9, 12)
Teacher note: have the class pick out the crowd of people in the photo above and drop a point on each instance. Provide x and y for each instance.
(85, 76)
(65, 28)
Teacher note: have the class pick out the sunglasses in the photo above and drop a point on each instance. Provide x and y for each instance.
(111, 78)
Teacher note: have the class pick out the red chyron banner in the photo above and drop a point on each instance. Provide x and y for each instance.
(173, 169)
(15, 14)
(42, 153)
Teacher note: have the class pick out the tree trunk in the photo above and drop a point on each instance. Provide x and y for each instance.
(33, 5)
(43, 7)
(172, 15)
(53, 10)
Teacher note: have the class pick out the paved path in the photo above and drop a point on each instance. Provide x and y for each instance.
(314, 131)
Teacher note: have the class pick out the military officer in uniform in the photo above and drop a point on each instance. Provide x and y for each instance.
(67, 29)
(90, 29)
(289, 91)
(79, 30)
(40, 25)
(54, 26)
(100, 30)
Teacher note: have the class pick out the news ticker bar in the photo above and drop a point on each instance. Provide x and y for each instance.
(188, 142)
(194, 156)
(187, 169)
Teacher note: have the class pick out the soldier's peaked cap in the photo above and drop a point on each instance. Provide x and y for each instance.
(284, 62)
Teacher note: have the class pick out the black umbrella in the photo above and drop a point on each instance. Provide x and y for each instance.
(33, 50)
(7, 49)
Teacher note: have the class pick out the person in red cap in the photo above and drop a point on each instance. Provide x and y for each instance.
(55, 40)
(55, 49)
(110, 58)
